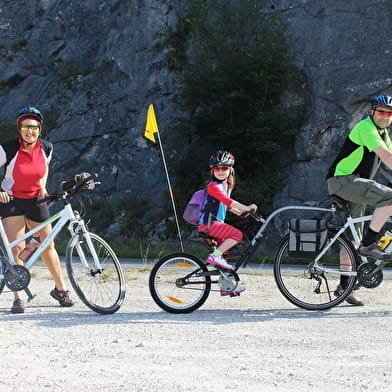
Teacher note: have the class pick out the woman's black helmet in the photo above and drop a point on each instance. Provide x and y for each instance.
(221, 158)
(382, 100)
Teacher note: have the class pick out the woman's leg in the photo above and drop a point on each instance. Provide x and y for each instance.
(50, 256)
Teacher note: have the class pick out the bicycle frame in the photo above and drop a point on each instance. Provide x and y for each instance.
(254, 242)
(349, 224)
(62, 217)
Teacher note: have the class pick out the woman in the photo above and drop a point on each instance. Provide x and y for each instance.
(26, 161)
(214, 213)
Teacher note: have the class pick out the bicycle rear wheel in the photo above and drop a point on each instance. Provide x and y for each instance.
(178, 283)
(308, 287)
(102, 290)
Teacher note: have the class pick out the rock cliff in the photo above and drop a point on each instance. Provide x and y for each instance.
(92, 67)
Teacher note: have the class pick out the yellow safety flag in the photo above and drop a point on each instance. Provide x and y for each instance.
(151, 124)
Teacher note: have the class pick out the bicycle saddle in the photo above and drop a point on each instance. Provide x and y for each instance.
(341, 204)
(210, 240)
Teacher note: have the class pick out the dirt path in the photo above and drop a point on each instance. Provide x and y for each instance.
(256, 342)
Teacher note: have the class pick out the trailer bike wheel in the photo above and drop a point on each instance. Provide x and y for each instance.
(179, 283)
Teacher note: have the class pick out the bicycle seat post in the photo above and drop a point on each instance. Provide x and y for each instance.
(341, 204)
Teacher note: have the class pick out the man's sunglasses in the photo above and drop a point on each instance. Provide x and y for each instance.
(382, 113)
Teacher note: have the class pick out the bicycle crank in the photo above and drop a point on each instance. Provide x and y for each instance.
(227, 281)
(17, 280)
(369, 278)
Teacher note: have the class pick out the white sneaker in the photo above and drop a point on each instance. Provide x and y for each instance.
(237, 291)
(219, 261)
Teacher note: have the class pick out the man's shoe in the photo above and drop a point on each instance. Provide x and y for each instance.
(219, 261)
(237, 291)
(18, 306)
(374, 252)
(351, 299)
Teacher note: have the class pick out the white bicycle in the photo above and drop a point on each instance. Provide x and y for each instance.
(311, 283)
(92, 267)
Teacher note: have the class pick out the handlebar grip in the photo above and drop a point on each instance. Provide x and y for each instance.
(48, 199)
(253, 214)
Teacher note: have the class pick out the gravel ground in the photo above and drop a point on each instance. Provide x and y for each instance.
(255, 342)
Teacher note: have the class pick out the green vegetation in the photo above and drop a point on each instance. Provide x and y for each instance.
(235, 67)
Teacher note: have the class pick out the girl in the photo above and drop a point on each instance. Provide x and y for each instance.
(215, 207)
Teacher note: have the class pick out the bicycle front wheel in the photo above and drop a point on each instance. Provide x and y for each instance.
(101, 289)
(179, 283)
(316, 287)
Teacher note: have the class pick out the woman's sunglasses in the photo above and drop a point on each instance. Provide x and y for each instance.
(25, 127)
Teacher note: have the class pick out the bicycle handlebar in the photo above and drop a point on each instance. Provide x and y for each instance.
(254, 215)
(77, 184)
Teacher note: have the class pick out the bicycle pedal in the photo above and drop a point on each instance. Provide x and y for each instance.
(30, 298)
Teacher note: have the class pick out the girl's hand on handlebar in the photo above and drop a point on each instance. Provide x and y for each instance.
(252, 208)
(5, 197)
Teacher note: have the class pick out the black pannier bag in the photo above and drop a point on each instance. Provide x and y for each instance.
(307, 237)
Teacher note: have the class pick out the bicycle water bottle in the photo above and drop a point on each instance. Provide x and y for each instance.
(385, 242)
(29, 249)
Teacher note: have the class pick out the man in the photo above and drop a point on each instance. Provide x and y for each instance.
(351, 175)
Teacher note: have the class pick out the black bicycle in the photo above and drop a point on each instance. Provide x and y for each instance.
(181, 282)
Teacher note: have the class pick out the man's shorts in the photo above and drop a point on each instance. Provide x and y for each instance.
(360, 190)
(25, 207)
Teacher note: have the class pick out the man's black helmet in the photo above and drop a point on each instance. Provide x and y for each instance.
(221, 158)
(31, 112)
(382, 100)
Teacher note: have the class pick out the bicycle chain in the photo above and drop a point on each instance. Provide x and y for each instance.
(19, 282)
(367, 278)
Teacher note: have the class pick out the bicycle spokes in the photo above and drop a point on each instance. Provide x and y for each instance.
(179, 283)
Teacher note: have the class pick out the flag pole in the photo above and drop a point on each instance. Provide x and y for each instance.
(151, 130)
(171, 194)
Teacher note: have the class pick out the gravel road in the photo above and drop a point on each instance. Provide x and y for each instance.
(256, 342)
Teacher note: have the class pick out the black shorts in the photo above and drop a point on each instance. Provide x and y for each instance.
(25, 207)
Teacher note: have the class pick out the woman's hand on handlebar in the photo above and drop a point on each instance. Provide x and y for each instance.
(5, 197)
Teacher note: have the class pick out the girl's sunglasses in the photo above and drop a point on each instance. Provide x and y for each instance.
(220, 168)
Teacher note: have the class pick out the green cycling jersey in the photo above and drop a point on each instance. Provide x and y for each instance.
(357, 154)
